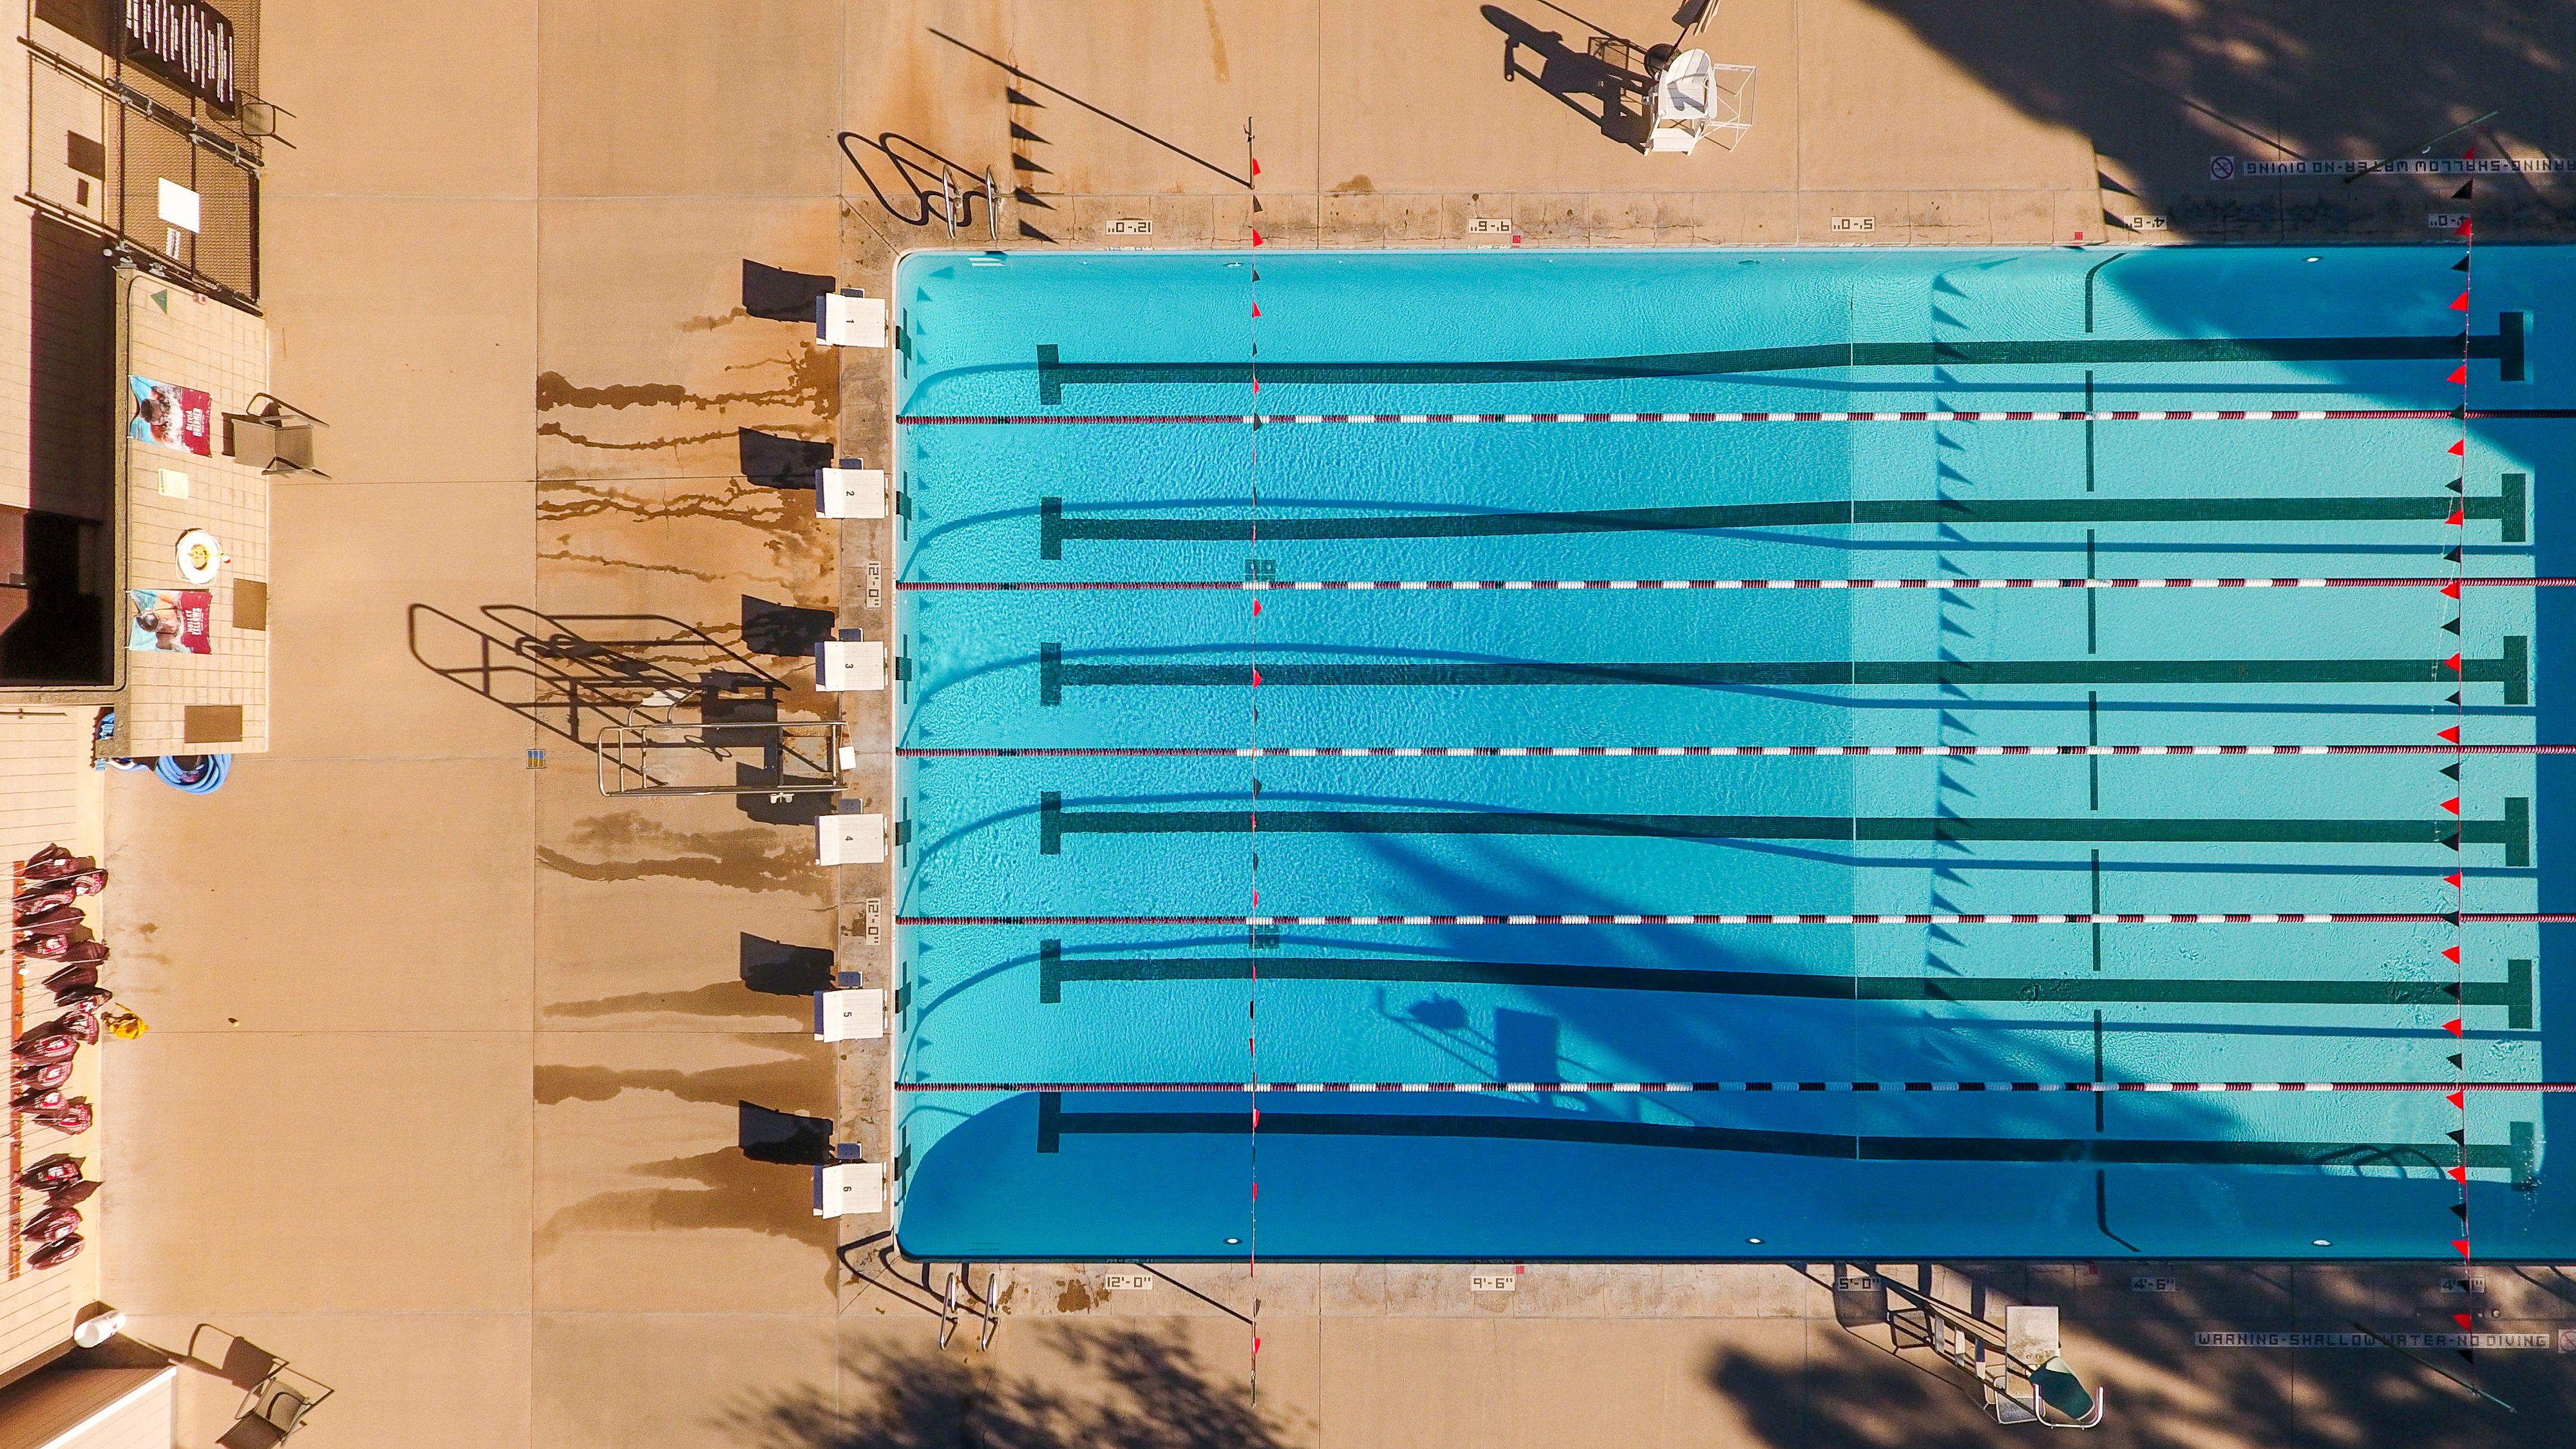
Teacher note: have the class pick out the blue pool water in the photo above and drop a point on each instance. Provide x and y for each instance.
(1022, 1174)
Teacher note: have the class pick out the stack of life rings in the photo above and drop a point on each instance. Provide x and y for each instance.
(48, 926)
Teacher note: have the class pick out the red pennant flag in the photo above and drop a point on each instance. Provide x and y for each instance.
(2452, 804)
(2452, 880)
(2459, 1174)
(2465, 1320)
(2461, 304)
(2451, 590)
(2461, 230)
(2454, 662)
(2462, 1244)
(2458, 517)
(2452, 1026)
(2460, 1100)
(1256, 676)
(1256, 606)
(2452, 953)
(2459, 449)
(2452, 734)
(1256, 236)
(1256, 309)
(2459, 374)
(1256, 165)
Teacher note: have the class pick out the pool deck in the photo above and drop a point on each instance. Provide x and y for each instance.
(441, 1100)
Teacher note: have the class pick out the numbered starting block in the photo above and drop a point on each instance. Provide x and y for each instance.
(850, 1014)
(850, 664)
(849, 840)
(849, 1187)
(850, 318)
(850, 491)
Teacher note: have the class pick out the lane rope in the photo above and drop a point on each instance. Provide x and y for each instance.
(1707, 1087)
(2210, 918)
(1477, 585)
(910, 752)
(2277, 415)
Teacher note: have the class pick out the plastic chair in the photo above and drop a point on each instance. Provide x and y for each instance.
(276, 1412)
(275, 439)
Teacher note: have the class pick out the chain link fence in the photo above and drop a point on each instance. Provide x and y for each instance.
(109, 136)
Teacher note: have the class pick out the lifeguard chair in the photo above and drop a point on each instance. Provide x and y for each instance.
(1696, 99)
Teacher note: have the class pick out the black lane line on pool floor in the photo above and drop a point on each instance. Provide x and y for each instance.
(2518, 1156)
(2514, 992)
(2509, 507)
(2510, 668)
(2505, 345)
(2512, 830)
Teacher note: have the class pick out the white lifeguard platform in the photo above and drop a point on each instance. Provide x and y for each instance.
(1697, 99)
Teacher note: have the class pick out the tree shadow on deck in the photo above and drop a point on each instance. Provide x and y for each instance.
(2182, 101)
(1152, 1393)
(2166, 1388)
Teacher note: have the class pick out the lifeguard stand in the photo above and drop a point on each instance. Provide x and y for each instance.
(1697, 99)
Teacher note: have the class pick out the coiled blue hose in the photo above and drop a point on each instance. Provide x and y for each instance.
(196, 774)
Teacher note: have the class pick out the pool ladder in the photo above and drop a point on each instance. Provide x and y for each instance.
(950, 1310)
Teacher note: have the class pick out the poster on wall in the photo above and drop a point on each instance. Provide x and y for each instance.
(175, 621)
(172, 417)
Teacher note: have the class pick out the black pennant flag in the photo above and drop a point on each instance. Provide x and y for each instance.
(2454, 699)
(2454, 627)
(2451, 989)
(2456, 486)
(2462, 1209)
(2453, 556)
(2452, 840)
(2463, 193)
(2458, 1136)
(2455, 1061)
(2469, 1354)
(2453, 770)
(2454, 918)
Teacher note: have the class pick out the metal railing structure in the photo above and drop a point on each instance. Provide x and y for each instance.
(653, 758)
(579, 675)
(2012, 1368)
(106, 132)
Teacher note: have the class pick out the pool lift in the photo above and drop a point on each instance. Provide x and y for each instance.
(2016, 1369)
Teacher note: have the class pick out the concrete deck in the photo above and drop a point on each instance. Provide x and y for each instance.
(441, 1100)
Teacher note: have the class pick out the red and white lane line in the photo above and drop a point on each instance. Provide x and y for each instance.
(2230, 415)
(1760, 919)
(1461, 751)
(1237, 1086)
(2450, 586)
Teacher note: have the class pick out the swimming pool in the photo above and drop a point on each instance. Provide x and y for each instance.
(1090, 919)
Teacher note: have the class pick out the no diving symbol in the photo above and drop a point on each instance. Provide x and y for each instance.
(2222, 168)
